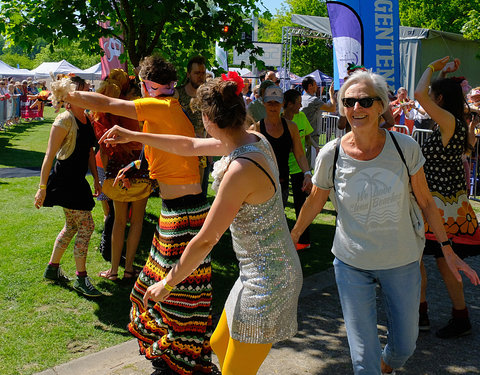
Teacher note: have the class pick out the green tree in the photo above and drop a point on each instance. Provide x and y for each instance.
(13, 59)
(176, 28)
(471, 28)
(440, 15)
(70, 52)
(308, 54)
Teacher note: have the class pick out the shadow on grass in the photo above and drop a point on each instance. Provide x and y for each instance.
(19, 158)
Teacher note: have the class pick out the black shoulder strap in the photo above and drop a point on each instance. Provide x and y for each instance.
(262, 127)
(399, 150)
(261, 168)
(335, 158)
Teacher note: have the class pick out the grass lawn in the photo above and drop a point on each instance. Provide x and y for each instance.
(40, 318)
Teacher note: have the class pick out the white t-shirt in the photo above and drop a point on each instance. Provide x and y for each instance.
(374, 228)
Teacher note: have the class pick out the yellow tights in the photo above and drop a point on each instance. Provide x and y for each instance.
(235, 357)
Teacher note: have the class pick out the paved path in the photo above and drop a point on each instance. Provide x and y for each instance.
(19, 172)
(320, 347)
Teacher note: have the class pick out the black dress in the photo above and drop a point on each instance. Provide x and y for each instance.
(281, 147)
(67, 186)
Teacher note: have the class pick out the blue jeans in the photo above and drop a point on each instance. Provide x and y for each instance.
(400, 288)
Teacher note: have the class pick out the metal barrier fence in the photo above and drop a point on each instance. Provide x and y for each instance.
(330, 131)
(474, 188)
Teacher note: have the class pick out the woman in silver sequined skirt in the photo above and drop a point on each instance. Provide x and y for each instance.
(262, 306)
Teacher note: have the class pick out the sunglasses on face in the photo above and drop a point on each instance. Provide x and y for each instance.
(364, 102)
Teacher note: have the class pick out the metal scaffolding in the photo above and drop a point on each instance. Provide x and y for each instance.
(288, 33)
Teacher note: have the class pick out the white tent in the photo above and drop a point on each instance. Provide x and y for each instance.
(64, 67)
(93, 73)
(8, 71)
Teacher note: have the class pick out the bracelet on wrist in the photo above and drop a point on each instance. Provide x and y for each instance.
(168, 287)
(307, 173)
(42, 187)
(431, 67)
(445, 243)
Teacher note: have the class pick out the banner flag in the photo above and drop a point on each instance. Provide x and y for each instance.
(221, 57)
(366, 33)
(112, 48)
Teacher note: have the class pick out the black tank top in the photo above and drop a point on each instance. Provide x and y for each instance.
(281, 147)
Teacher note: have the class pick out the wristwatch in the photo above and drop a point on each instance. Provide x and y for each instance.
(307, 173)
(445, 243)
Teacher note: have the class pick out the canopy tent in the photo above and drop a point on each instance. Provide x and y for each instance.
(61, 67)
(93, 73)
(321, 78)
(8, 71)
(240, 71)
(418, 48)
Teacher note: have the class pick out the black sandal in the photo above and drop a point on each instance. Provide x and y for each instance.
(131, 275)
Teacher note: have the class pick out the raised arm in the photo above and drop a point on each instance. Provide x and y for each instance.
(444, 119)
(175, 144)
(389, 121)
(331, 106)
(430, 211)
(102, 103)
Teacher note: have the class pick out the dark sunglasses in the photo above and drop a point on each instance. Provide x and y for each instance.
(364, 102)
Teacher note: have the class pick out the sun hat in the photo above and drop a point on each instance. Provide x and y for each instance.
(273, 93)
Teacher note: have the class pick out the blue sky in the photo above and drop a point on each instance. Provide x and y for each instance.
(272, 5)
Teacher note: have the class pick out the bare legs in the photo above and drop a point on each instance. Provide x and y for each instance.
(118, 235)
(454, 288)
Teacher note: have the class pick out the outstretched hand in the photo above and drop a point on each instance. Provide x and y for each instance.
(121, 179)
(156, 293)
(440, 63)
(451, 66)
(456, 265)
(115, 135)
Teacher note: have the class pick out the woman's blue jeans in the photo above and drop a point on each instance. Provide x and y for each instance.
(400, 289)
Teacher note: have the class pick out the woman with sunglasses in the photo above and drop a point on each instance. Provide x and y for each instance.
(174, 333)
(379, 235)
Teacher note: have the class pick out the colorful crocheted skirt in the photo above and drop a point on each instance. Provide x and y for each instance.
(177, 330)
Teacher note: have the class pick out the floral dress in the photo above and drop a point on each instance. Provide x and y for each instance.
(446, 180)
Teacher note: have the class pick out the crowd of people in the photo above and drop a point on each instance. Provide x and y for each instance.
(382, 183)
(21, 101)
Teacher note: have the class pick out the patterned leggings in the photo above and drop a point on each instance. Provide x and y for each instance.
(76, 221)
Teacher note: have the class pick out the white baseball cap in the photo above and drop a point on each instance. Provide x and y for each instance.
(273, 93)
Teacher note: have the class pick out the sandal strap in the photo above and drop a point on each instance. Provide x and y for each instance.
(107, 275)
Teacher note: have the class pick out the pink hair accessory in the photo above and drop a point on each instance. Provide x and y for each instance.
(234, 77)
(475, 92)
(465, 87)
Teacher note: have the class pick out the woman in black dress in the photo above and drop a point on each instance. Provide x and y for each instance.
(71, 141)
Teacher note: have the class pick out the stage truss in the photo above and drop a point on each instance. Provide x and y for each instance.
(288, 33)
